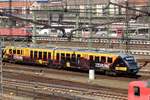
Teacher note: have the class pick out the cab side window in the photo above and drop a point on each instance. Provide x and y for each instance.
(136, 91)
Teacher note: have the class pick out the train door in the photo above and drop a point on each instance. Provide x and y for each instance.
(50, 61)
(31, 55)
(44, 55)
(35, 55)
(73, 60)
(68, 60)
(91, 62)
(57, 58)
(83, 61)
(78, 60)
(63, 59)
(40, 60)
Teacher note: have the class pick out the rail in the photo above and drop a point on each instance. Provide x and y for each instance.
(64, 90)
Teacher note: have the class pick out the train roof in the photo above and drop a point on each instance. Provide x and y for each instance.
(117, 53)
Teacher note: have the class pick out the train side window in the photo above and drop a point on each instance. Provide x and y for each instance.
(91, 58)
(40, 55)
(10, 50)
(14, 51)
(31, 54)
(57, 57)
(68, 57)
(45, 55)
(136, 91)
(109, 59)
(35, 54)
(103, 59)
(18, 51)
(49, 55)
(78, 58)
(62, 56)
(73, 57)
(96, 59)
(78, 55)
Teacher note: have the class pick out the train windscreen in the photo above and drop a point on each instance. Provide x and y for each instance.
(131, 61)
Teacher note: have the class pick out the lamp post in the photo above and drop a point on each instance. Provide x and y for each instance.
(92, 67)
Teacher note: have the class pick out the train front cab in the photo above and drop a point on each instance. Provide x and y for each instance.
(126, 64)
(13, 54)
(139, 90)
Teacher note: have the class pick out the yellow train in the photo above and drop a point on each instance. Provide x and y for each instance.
(110, 63)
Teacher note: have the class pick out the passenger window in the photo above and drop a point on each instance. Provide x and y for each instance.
(35, 54)
(49, 55)
(96, 59)
(62, 56)
(103, 59)
(18, 51)
(109, 60)
(91, 58)
(57, 57)
(136, 91)
(68, 57)
(14, 51)
(78, 58)
(31, 54)
(45, 55)
(10, 50)
(40, 55)
(73, 57)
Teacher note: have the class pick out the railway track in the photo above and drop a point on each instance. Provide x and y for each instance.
(92, 91)
(60, 90)
(85, 90)
(38, 69)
